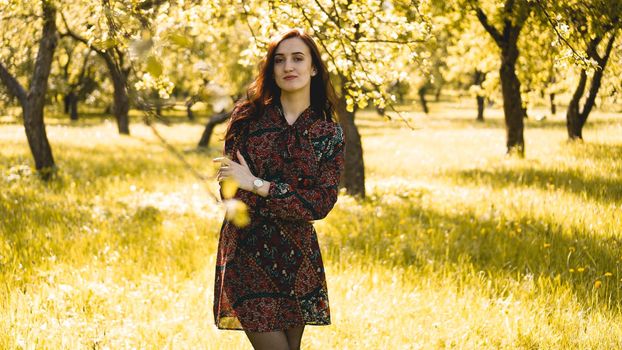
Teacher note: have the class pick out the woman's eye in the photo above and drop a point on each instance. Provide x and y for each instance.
(278, 60)
(298, 59)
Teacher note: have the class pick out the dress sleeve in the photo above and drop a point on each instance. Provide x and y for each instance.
(232, 145)
(288, 202)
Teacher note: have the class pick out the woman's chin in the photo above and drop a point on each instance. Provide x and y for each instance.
(292, 88)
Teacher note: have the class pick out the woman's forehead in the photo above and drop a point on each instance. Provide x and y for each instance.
(291, 46)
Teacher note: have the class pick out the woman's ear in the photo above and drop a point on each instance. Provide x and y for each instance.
(313, 71)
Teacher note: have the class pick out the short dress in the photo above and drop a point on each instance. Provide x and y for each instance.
(270, 274)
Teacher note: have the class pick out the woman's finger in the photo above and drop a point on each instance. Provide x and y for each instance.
(241, 159)
(222, 160)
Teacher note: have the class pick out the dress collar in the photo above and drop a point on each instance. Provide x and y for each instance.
(306, 117)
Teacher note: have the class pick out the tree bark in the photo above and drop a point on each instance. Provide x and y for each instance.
(572, 113)
(33, 101)
(189, 103)
(66, 101)
(121, 105)
(209, 128)
(480, 109)
(512, 101)
(73, 109)
(71, 105)
(478, 79)
(424, 104)
(189, 113)
(552, 101)
(354, 175)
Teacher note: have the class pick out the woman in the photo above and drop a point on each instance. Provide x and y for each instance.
(286, 153)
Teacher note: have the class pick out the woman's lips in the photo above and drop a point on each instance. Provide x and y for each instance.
(290, 77)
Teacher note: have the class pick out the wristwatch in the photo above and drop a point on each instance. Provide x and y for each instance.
(257, 183)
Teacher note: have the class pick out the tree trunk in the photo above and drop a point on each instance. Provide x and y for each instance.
(480, 109)
(66, 102)
(507, 39)
(553, 106)
(33, 101)
(437, 95)
(189, 111)
(478, 79)
(209, 128)
(73, 108)
(158, 105)
(424, 104)
(575, 119)
(121, 105)
(512, 101)
(354, 174)
(71, 105)
(37, 137)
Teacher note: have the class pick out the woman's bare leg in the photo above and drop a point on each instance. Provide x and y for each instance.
(268, 340)
(294, 337)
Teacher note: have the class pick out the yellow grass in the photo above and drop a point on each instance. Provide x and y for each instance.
(456, 246)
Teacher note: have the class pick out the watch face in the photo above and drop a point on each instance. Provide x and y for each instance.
(258, 182)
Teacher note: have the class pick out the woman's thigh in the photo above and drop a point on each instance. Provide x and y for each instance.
(268, 340)
(294, 336)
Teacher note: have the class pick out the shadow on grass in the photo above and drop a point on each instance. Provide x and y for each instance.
(499, 123)
(600, 188)
(601, 152)
(408, 234)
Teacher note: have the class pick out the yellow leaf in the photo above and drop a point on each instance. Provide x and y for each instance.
(154, 67)
(180, 40)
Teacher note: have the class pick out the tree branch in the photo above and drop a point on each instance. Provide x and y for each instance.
(481, 16)
(389, 41)
(79, 38)
(13, 86)
(47, 44)
(557, 33)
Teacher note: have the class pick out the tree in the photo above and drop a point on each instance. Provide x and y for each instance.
(510, 19)
(109, 28)
(469, 62)
(73, 75)
(585, 28)
(32, 100)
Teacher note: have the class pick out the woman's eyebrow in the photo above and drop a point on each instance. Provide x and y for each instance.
(293, 53)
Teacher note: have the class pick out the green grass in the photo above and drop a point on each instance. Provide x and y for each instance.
(456, 245)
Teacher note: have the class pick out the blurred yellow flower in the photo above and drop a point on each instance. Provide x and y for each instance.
(237, 212)
(597, 284)
(229, 187)
(580, 269)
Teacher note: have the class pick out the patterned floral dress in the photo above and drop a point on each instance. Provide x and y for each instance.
(269, 274)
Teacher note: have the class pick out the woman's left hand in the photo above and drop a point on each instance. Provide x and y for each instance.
(239, 172)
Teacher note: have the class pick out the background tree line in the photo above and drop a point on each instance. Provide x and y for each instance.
(151, 54)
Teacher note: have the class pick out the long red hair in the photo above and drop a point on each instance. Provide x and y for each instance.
(263, 90)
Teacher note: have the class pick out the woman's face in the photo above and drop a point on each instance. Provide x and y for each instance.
(293, 66)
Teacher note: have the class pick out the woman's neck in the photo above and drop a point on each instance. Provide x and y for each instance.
(294, 104)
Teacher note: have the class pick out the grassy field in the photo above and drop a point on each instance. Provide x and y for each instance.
(456, 245)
